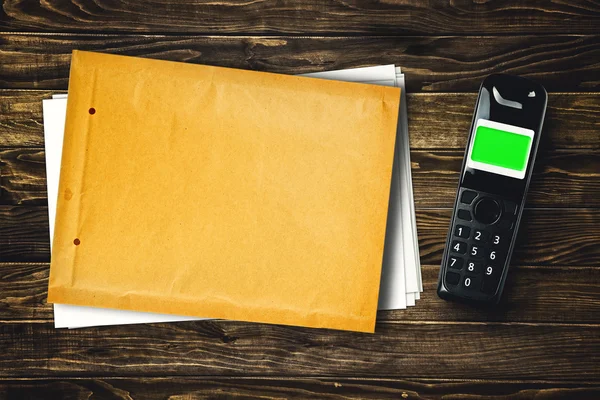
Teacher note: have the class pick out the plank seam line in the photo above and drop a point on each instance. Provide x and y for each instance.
(54, 90)
(262, 35)
(427, 266)
(299, 378)
(379, 322)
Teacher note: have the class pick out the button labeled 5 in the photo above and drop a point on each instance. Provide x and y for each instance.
(476, 251)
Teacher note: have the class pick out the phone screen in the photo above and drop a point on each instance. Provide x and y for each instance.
(500, 148)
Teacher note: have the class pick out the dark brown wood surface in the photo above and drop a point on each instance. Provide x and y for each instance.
(543, 339)
(434, 63)
(302, 17)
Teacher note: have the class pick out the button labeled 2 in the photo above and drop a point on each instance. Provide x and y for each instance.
(480, 236)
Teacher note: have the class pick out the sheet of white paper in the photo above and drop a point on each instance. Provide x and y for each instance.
(410, 299)
(392, 295)
(412, 257)
(364, 75)
(392, 287)
(70, 316)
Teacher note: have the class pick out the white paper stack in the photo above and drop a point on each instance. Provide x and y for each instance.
(401, 281)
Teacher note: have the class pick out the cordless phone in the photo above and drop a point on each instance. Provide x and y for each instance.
(494, 179)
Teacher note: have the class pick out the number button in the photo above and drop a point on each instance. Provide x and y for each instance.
(462, 231)
(467, 282)
(495, 257)
(471, 283)
(491, 279)
(452, 278)
(464, 214)
(480, 236)
(455, 262)
(467, 196)
(496, 240)
(476, 251)
(510, 208)
(473, 267)
(459, 247)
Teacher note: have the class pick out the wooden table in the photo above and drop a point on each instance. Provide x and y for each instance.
(544, 338)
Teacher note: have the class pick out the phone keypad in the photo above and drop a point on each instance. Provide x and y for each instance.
(481, 232)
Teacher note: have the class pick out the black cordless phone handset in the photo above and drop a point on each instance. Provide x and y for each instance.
(494, 179)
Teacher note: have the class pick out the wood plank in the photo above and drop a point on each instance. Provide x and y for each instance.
(24, 234)
(442, 121)
(22, 177)
(440, 64)
(224, 348)
(280, 388)
(546, 236)
(435, 120)
(303, 17)
(532, 295)
(569, 178)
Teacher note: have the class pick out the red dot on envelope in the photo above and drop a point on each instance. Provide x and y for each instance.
(76, 242)
(92, 111)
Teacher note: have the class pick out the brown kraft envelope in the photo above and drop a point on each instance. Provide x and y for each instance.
(222, 193)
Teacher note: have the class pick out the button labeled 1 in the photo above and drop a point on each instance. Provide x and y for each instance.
(462, 231)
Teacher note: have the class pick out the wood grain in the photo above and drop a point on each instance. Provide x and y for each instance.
(302, 17)
(440, 64)
(442, 121)
(435, 120)
(568, 178)
(224, 348)
(546, 236)
(22, 177)
(297, 388)
(532, 295)
(24, 234)
(562, 178)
